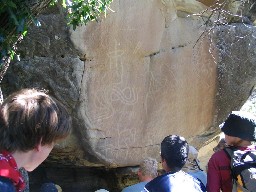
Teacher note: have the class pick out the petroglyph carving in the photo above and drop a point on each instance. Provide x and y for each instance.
(137, 48)
(103, 105)
(116, 65)
(127, 95)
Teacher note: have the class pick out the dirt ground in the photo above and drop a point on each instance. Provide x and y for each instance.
(205, 153)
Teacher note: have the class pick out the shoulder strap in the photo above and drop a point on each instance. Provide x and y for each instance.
(229, 152)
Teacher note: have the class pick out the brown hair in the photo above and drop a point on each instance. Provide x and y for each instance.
(30, 117)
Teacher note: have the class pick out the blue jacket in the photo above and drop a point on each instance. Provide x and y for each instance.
(135, 188)
(175, 182)
(6, 185)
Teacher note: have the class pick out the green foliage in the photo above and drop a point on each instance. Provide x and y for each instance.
(82, 11)
(13, 15)
(16, 15)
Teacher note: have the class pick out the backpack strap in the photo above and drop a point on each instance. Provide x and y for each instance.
(229, 152)
(237, 170)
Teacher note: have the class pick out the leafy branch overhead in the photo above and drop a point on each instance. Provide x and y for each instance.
(17, 15)
(81, 12)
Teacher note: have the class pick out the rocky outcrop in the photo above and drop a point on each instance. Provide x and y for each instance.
(236, 69)
(132, 78)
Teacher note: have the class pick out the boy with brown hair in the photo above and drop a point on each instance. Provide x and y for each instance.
(240, 130)
(31, 122)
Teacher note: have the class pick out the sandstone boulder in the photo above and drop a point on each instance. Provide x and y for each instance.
(136, 76)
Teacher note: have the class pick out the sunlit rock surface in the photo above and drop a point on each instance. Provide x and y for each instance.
(136, 76)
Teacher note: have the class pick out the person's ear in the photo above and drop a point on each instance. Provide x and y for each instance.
(163, 162)
(39, 146)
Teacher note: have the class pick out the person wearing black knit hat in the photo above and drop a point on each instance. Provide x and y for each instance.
(240, 124)
(174, 154)
(240, 130)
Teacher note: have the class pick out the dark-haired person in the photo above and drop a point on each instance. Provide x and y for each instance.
(31, 122)
(174, 154)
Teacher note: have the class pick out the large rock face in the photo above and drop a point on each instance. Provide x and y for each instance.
(136, 76)
(142, 81)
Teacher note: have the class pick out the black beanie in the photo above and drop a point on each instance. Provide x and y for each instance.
(240, 124)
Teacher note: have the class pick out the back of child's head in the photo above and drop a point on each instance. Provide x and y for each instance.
(30, 117)
(240, 124)
(174, 149)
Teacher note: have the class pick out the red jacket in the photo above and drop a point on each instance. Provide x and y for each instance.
(219, 174)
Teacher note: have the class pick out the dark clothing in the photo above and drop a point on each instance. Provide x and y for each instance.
(174, 182)
(6, 185)
(48, 187)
